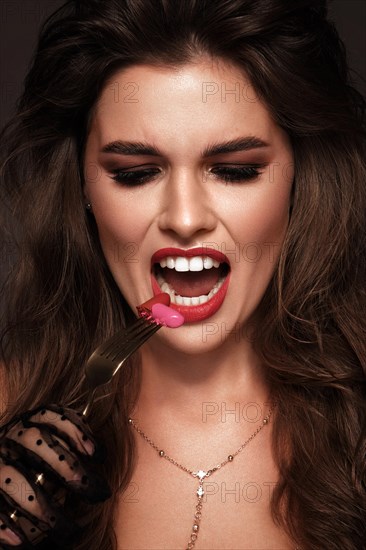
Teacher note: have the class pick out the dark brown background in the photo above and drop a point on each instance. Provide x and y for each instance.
(20, 21)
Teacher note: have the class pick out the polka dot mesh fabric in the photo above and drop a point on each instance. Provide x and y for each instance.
(45, 454)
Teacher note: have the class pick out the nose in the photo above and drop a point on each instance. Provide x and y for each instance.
(188, 208)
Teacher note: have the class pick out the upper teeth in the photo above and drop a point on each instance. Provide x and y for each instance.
(197, 263)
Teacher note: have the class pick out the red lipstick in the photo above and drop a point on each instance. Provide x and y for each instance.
(157, 308)
(161, 298)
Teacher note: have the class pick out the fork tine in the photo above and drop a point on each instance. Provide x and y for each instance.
(119, 346)
(101, 365)
(107, 359)
(132, 347)
(126, 334)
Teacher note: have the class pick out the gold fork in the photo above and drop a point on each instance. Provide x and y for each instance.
(103, 364)
(109, 357)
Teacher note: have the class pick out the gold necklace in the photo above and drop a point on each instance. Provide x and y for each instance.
(200, 474)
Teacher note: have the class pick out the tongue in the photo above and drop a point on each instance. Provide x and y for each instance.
(191, 283)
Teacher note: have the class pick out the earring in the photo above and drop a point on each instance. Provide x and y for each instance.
(88, 206)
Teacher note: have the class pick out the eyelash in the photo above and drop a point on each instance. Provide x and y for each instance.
(133, 178)
(228, 174)
(237, 175)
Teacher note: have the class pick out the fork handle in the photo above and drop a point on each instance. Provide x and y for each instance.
(89, 403)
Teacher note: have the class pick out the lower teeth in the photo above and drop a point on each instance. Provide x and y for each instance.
(188, 300)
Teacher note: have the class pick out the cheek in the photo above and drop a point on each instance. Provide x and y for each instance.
(269, 220)
(261, 223)
(261, 216)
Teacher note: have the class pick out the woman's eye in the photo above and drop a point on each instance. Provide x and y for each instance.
(230, 174)
(134, 177)
(235, 174)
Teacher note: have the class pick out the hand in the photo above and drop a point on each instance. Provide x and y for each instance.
(45, 454)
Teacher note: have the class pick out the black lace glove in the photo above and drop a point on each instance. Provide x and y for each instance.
(45, 454)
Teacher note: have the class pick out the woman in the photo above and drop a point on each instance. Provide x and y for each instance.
(228, 132)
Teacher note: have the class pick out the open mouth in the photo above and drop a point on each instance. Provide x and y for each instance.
(190, 281)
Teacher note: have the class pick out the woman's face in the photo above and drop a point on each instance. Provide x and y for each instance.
(189, 158)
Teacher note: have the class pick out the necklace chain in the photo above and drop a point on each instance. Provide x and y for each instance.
(201, 474)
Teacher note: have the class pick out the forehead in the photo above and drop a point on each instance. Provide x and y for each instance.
(146, 102)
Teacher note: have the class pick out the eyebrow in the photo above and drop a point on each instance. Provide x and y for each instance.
(130, 148)
(139, 148)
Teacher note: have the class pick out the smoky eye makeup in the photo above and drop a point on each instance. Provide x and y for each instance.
(131, 178)
(228, 173)
(131, 164)
(236, 173)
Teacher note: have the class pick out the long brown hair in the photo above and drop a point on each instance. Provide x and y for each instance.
(62, 300)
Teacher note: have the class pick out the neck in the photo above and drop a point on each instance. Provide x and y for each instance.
(218, 384)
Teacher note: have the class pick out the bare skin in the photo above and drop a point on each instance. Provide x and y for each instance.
(193, 376)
